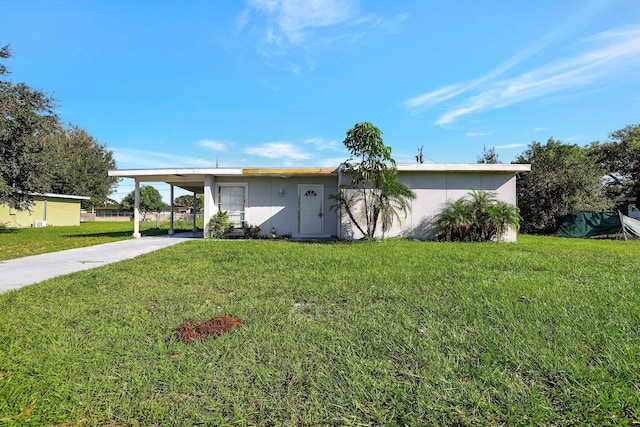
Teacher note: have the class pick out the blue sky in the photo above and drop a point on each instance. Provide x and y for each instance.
(277, 83)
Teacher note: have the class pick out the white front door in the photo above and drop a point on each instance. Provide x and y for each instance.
(311, 209)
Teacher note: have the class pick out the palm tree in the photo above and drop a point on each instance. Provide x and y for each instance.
(392, 198)
(480, 204)
(504, 216)
(454, 222)
(478, 216)
(379, 202)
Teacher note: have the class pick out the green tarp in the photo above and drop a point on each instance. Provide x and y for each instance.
(587, 224)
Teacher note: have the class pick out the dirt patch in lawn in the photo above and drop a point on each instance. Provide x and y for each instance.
(196, 330)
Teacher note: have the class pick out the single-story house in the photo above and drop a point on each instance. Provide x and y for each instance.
(48, 209)
(295, 201)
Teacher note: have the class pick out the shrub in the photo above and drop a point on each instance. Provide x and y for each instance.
(476, 217)
(220, 225)
(251, 231)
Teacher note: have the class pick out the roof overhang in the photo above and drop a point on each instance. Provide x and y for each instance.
(288, 172)
(190, 179)
(61, 196)
(464, 167)
(193, 179)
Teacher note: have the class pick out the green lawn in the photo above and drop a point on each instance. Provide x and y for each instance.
(542, 332)
(20, 242)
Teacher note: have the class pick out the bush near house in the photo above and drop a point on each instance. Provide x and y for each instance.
(220, 225)
(477, 217)
(251, 231)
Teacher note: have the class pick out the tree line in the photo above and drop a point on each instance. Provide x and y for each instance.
(39, 154)
(569, 178)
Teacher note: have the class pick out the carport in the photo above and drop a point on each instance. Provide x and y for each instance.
(196, 181)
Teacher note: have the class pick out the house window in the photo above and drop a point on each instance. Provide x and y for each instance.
(232, 198)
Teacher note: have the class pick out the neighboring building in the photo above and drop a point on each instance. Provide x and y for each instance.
(295, 201)
(112, 214)
(49, 209)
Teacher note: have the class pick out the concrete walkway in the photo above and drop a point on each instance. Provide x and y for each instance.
(16, 273)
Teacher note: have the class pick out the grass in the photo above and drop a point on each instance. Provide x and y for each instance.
(21, 242)
(542, 332)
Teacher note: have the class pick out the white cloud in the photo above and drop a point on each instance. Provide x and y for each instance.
(299, 28)
(298, 16)
(214, 145)
(604, 57)
(140, 159)
(291, 20)
(390, 25)
(430, 99)
(324, 144)
(422, 102)
(329, 162)
(474, 134)
(277, 150)
(511, 146)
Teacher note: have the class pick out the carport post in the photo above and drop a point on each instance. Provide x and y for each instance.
(136, 211)
(171, 231)
(209, 205)
(195, 212)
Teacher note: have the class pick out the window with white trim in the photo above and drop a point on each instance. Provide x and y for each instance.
(232, 198)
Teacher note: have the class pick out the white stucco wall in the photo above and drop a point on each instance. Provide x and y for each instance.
(268, 207)
(434, 189)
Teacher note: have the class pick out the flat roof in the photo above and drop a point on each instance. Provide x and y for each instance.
(61, 196)
(192, 179)
(464, 167)
(289, 171)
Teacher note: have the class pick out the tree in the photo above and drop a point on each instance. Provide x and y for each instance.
(110, 203)
(80, 165)
(150, 200)
(476, 217)
(5, 53)
(38, 154)
(374, 195)
(187, 201)
(620, 159)
(488, 156)
(26, 116)
(563, 179)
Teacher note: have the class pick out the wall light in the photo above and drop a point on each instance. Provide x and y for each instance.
(281, 192)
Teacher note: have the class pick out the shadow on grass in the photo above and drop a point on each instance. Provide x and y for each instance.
(6, 230)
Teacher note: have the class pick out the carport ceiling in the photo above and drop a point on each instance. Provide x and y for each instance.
(193, 179)
(189, 179)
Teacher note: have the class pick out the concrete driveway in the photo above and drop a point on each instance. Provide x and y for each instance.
(16, 273)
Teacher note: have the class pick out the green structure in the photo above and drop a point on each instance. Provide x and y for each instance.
(49, 209)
